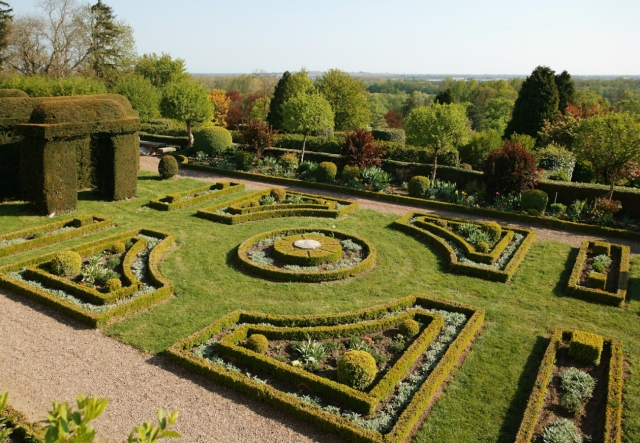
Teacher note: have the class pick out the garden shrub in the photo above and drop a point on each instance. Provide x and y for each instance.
(556, 159)
(326, 172)
(213, 140)
(442, 223)
(289, 161)
(510, 169)
(279, 194)
(395, 135)
(359, 149)
(257, 136)
(597, 280)
(409, 328)
(578, 386)
(483, 247)
(583, 172)
(113, 284)
(586, 347)
(601, 248)
(418, 186)
(534, 199)
(66, 263)
(493, 229)
(117, 248)
(351, 172)
(466, 166)
(168, 167)
(557, 209)
(257, 343)
(244, 160)
(357, 369)
(561, 431)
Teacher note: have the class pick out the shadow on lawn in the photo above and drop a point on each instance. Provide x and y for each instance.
(19, 208)
(149, 178)
(561, 286)
(518, 404)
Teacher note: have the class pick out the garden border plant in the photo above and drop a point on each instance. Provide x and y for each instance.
(84, 225)
(368, 251)
(164, 287)
(412, 416)
(442, 246)
(195, 196)
(600, 296)
(613, 418)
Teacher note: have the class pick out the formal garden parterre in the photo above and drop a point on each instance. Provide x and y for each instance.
(195, 196)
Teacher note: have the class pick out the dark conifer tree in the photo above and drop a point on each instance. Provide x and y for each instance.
(282, 93)
(566, 90)
(445, 97)
(537, 101)
(104, 40)
(5, 19)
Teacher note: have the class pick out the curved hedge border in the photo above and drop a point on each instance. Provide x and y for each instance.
(613, 421)
(164, 286)
(327, 209)
(455, 266)
(175, 201)
(600, 296)
(412, 416)
(393, 198)
(85, 225)
(368, 251)
(22, 429)
(329, 251)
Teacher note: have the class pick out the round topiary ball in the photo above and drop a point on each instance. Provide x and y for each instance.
(112, 285)
(482, 247)
(289, 161)
(66, 263)
(418, 186)
(279, 194)
(212, 140)
(257, 343)
(357, 369)
(168, 167)
(351, 172)
(117, 248)
(493, 229)
(326, 172)
(534, 199)
(409, 328)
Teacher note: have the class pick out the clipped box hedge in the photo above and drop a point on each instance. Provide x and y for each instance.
(85, 225)
(23, 430)
(599, 295)
(434, 239)
(325, 207)
(176, 200)
(409, 420)
(164, 286)
(613, 418)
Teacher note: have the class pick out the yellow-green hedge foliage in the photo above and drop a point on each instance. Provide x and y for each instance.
(586, 347)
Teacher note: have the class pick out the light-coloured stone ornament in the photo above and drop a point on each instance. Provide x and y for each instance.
(307, 244)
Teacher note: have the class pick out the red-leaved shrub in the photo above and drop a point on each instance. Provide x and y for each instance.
(510, 169)
(359, 149)
(257, 136)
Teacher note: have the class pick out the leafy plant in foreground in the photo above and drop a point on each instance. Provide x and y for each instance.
(310, 351)
(578, 386)
(561, 431)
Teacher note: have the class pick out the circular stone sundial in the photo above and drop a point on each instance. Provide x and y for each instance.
(307, 244)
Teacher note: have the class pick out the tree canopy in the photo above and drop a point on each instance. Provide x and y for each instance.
(282, 93)
(566, 90)
(188, 101)
(143, 96)
(5, 21)
(347, 97)
(161, 69)
(306, 113)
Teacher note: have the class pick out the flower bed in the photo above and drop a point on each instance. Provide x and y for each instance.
(336, 256)
(143, 283)
(39, 236)
(196, 196)
(261, 205)
(498, 264)
(398, 408)
(609, 286)
(550, 396)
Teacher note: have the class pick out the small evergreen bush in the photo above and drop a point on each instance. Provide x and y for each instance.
(168, 167)
(561, 431)
(483, 247)
(586, 347)
(357, 369)
(278, 194)
(534, 199)
(117, 248)
(351, 172)
(112, 285)
(213, 140)
(418, 186)
(257, 343)
(244, 160)
(66, 263)
(493, 229)
(289, 161)
(409, 328)
(578, 386)
(326, 172)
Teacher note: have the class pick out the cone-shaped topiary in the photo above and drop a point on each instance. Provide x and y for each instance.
(493, 229)
(168, 167)
(326, 172)
(410, 328)
(112, 285)
(278, 194)
(357, 369)
(66, 263)
(212, 140)
(257, 343)
(418, 186)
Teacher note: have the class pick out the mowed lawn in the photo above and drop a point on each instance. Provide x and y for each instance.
(485, 400)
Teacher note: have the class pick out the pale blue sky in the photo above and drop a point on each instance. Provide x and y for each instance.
(585, 37)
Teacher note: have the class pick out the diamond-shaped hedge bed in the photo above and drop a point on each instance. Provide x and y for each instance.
(385, 410)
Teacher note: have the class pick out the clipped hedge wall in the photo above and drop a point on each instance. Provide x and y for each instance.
(23, 430)
(167, 139)
(174, 201)
(409, 420)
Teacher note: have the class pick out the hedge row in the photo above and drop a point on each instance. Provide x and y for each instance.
(175, 201)
(368, 251)
(326, 209)
(411, 417)
(613, 423)
(167, 139)
(85, 225)
(402, 199)
(22, 429)
(600, 296)
(455, 266)
(164, 286)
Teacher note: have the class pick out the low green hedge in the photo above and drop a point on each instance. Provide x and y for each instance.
(164, 286)
(327, 209)
(455, 266)
(175, 201)
(167, 139)
(409, 420)
(613, 419)
(22, 429)
(600, 296)
(286, 251)
(85, 225)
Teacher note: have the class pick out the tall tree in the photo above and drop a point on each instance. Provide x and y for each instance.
(143, 96)
(161, 69)
(566, 90)
(5, 21)
(302, 84)
(281, 94)
(306, 113)
(188, 101)
(439, 128)
(415, 100)
(445, 97)
(537, 101)
(221, 103)
(347, 97)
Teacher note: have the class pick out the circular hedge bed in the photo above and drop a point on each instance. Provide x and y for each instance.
(306, 255)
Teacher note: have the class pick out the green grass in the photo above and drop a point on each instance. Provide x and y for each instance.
(486, 399)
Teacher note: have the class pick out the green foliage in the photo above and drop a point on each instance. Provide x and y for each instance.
(4, 430)
(557, 209)
(586, 347)
(283, 92)
(143, 96)
(526, 141)
(66, 263)
(419, 186)
(556, 158)
(483, 247)
(306, 113)
(357, 369)
(534, 199)
(395, 135)
(310, 351)
(168, 167)
(289, 161)
(583, 172)
(279, 194)
(215, 141)
(244, 160)
(603, 261)
(480, 144)
(409, 328)
(188, 101)
(257, 343)
(493, 229)
(351, 172)
(561, 431)
(117, 248)
(112, 285)
(566, 90)
(578, 387)
(445, 97)
(161, 70)
(347, 97)
(326, 172)
(40, 86)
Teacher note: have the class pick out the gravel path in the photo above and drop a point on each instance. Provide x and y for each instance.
(151, 164)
